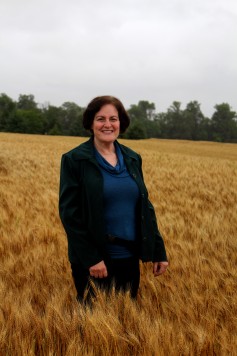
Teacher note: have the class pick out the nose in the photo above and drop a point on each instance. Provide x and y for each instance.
(107, 123)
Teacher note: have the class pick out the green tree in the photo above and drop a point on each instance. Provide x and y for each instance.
(7, 112)
(172, 121)
(28, 118)
(135, 131)
(192, 119)
(55, 130)
(71, 119)
(135, 113)
(53, 116)
(29, 121)
(204, 129)
(143, 111)
(223, 124)
(161, 120)
(26, 102)
(147, 108)
(153, 128)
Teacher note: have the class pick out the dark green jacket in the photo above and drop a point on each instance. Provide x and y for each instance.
(81, 207)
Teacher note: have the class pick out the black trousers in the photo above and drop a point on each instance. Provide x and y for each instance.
(123, 273)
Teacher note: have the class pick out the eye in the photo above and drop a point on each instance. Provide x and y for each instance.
(113, 119)
(100, 119)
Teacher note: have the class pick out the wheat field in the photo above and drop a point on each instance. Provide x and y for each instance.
(191, 310)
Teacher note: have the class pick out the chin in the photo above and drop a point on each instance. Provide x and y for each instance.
(109, 137)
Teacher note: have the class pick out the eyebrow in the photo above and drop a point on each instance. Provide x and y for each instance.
(115, 116)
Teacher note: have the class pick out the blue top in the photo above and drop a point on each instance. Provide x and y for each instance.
(121, 195)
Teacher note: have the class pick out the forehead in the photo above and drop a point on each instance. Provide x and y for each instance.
(107, 110)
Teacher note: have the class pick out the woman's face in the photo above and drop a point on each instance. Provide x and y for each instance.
(106, 124)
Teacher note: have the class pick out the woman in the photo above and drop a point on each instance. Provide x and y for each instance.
(104, 206)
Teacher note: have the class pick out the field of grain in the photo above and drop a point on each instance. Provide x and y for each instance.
(191, 310)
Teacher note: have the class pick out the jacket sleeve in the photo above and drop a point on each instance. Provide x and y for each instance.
(159, 250)
(71, 211)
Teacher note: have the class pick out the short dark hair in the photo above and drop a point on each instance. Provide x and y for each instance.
(96, 104)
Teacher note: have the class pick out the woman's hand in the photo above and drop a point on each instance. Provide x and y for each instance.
(99, 270)
(159, 268)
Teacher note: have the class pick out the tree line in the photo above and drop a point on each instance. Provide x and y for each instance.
(26, 116)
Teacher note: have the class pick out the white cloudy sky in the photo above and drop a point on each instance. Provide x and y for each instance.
(156, 50)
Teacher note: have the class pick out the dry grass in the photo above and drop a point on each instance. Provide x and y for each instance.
(189, 311)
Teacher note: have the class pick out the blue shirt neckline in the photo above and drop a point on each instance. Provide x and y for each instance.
(120, 166)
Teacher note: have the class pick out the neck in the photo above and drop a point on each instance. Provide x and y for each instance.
(104, 147)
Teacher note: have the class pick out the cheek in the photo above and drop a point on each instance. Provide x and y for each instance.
(93, 126)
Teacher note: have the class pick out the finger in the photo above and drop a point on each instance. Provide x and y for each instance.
(160, 270)
(155, 267)
(105, 273)
(99, 273)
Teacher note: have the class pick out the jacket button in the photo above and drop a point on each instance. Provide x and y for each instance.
(134, 175)
(143, 195)
(142, 217)
(144, 238)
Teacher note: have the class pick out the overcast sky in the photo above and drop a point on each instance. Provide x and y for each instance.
(156, 50)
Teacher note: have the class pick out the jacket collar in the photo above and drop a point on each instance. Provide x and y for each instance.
(86, 151)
